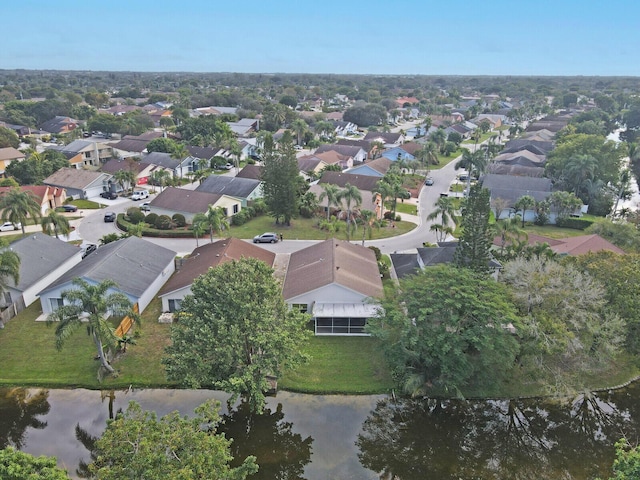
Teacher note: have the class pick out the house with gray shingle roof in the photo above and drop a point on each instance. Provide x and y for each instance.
(337, 282)
(190, 202)
(243, 188)
(79, 183)
(60, 124)
(42, 260)
(201, 260)
(139, 268)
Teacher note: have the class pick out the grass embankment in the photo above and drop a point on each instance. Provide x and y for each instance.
(28, 357)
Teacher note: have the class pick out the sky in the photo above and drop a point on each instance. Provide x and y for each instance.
(467, 37)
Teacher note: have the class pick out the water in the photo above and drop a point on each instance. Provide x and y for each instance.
(349, 437)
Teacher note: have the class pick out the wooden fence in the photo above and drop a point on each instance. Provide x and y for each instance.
(125, 324)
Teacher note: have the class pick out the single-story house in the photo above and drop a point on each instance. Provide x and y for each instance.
(332, 157)
(142, 170)
(138, 267)
(60, 125)
(47, 197)
(366, 184)
(42, 260)
(310, 164)
(337, 282)
(190, 202)
(388, 139)
(207, 256)
(8, 155)
(82, 184)
(397, 153)
(375, 168)
(243, 188)
(512, 187)
(177, 167)
(252, 172)
(356, 153)
(134, 145)
(580, 245)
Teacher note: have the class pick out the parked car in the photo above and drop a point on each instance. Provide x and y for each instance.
(428, 181)
(228, 166)
(145, 207)
(110, 217)
(268, 237)
(109, 195)
(9, 227)
(139, 195)
(69, 208)
(89, 249)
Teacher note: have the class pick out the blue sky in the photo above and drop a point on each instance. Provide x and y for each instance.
(490, 37)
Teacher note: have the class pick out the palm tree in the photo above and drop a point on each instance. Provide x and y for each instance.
(332, 194)
(523, 204)
(9, 267)
(17, 205)
(160, 177)
(445, 209)
(198, 225)
(179, 153)
(91, 304)
(55, 223)
(350, 194)
(471, 161)
(508, 230)
(299, 127)
(214, 220)
(125, 178)
(366, 217)
(441, 231)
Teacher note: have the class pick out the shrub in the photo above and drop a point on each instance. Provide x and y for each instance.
(398, 218)
(259, 207)
(575, 223)
(151, 219)
(541, 218)
(179, 220)
(240, 218)
(163, 222)
(376, 250)
(388, 215)
(135, 215)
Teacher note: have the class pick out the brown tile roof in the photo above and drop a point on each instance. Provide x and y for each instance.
(116, 164)
(333, 261)
(254, 172)
(10, 153)
(411, 147)
(211, 255)
(183, 200)
(363, 182)
(381, 164)
(332, 157)
(308, 163)
(346, 150)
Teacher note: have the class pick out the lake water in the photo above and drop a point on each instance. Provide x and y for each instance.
(353, 437)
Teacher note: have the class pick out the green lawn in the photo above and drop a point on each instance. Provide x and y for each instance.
(348, 365)
(485, 136)
(552, 231)
(444, 160)
(86, 204)
(408, 208)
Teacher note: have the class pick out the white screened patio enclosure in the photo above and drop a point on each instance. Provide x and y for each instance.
(342, 318)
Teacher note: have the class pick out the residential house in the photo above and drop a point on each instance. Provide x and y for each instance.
(134, 145)
(212, 111)
(178, 167)
(60, 125)
(189, 203)
(141, 170)
(494, 120)
(42, 260)
(580, 245)
(310, 166)
(8, 155)
(357, 154)
(397, 153)
(84, 154)
(82, 184)
(401, 101)
(522, 163)
(337, 282)
(511, 188)
(138, 267)
(534, 146)
(388, 139)
(245, 126)
(252, 172)
(47, 197)
(366, 184)
(207, 256)
(245, 189)
(374, 168)
(342, 128)
(332, 157)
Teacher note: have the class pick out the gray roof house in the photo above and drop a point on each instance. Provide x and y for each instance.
(79, 183)
(178, 167)
(243, 188)
(190, 202)
(512, 187)
(42, 260)
(139, 268)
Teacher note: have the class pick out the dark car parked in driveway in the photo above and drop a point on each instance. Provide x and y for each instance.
(69, 208)
(109, 195)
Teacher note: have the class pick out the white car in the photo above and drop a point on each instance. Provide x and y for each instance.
(139, 195)
(9, 227)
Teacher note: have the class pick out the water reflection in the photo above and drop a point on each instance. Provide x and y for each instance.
(281, 453)
(19, 409)
(411, 439)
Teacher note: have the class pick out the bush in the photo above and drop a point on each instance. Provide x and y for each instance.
(135, 215)
(388, 215)
(259, 207)
(575, 223)
(163, 222)
(179, 220)
(541, 218)
(398, 218)
(240, 218)
(376, 250)
(151, 219)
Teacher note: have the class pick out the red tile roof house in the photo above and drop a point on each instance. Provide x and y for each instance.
(47, 197)
(338, 283)
(201, 260)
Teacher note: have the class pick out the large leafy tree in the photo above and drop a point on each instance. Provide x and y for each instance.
(234, 331)
(88, 304)
(280, 178)
(208, 129)
(8, 138)
(36, 167)
(443, 330)
(18, 205)
(17, 465)
(474, 246)
(138, 444)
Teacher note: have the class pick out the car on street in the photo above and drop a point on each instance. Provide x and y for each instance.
(9, 227)
(145, 207)
(428, 181)
(89, 249)
(109, 195)
(268, 237)
(140, 195)
(69, 208)
(109, 217)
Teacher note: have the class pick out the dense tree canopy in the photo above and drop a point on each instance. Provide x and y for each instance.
(444, 330)
(8, 138)
(474, 245)
(138, 444)
(281, 180)
(36, 167)
(366, 115)
(234, 331)
(17, 465)
(206, 130)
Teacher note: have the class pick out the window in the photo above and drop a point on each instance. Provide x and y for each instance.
(55, 303)
(174, 305)
(300, 307)
(236, 208)
(226, 211)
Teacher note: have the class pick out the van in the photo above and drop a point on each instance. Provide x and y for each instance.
(139, 195)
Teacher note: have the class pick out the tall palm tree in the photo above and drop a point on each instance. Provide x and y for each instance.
(332, 193)
(214, 220)
(441, 231)
(366, 217)
(18, 205)
(55, 223)
(350, 194)
(198, 225)
(524, 203)
(445, 209)
(179, 152)
(125, 178)
(508, 230)
(9, 267)
(91, 304)
(299, 127)
(472, 161)
(160, 177)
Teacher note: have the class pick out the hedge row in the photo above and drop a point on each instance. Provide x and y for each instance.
(575, 223)
(154, 232)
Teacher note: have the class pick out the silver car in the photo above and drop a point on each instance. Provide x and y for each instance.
(268, 237)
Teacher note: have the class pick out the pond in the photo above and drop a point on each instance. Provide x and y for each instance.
(355, 437)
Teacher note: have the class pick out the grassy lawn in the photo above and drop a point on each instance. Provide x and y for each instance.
(552, 231)
(485, 136)
(351, 365)
(444, 160)
(87, 204)
(403, 208)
